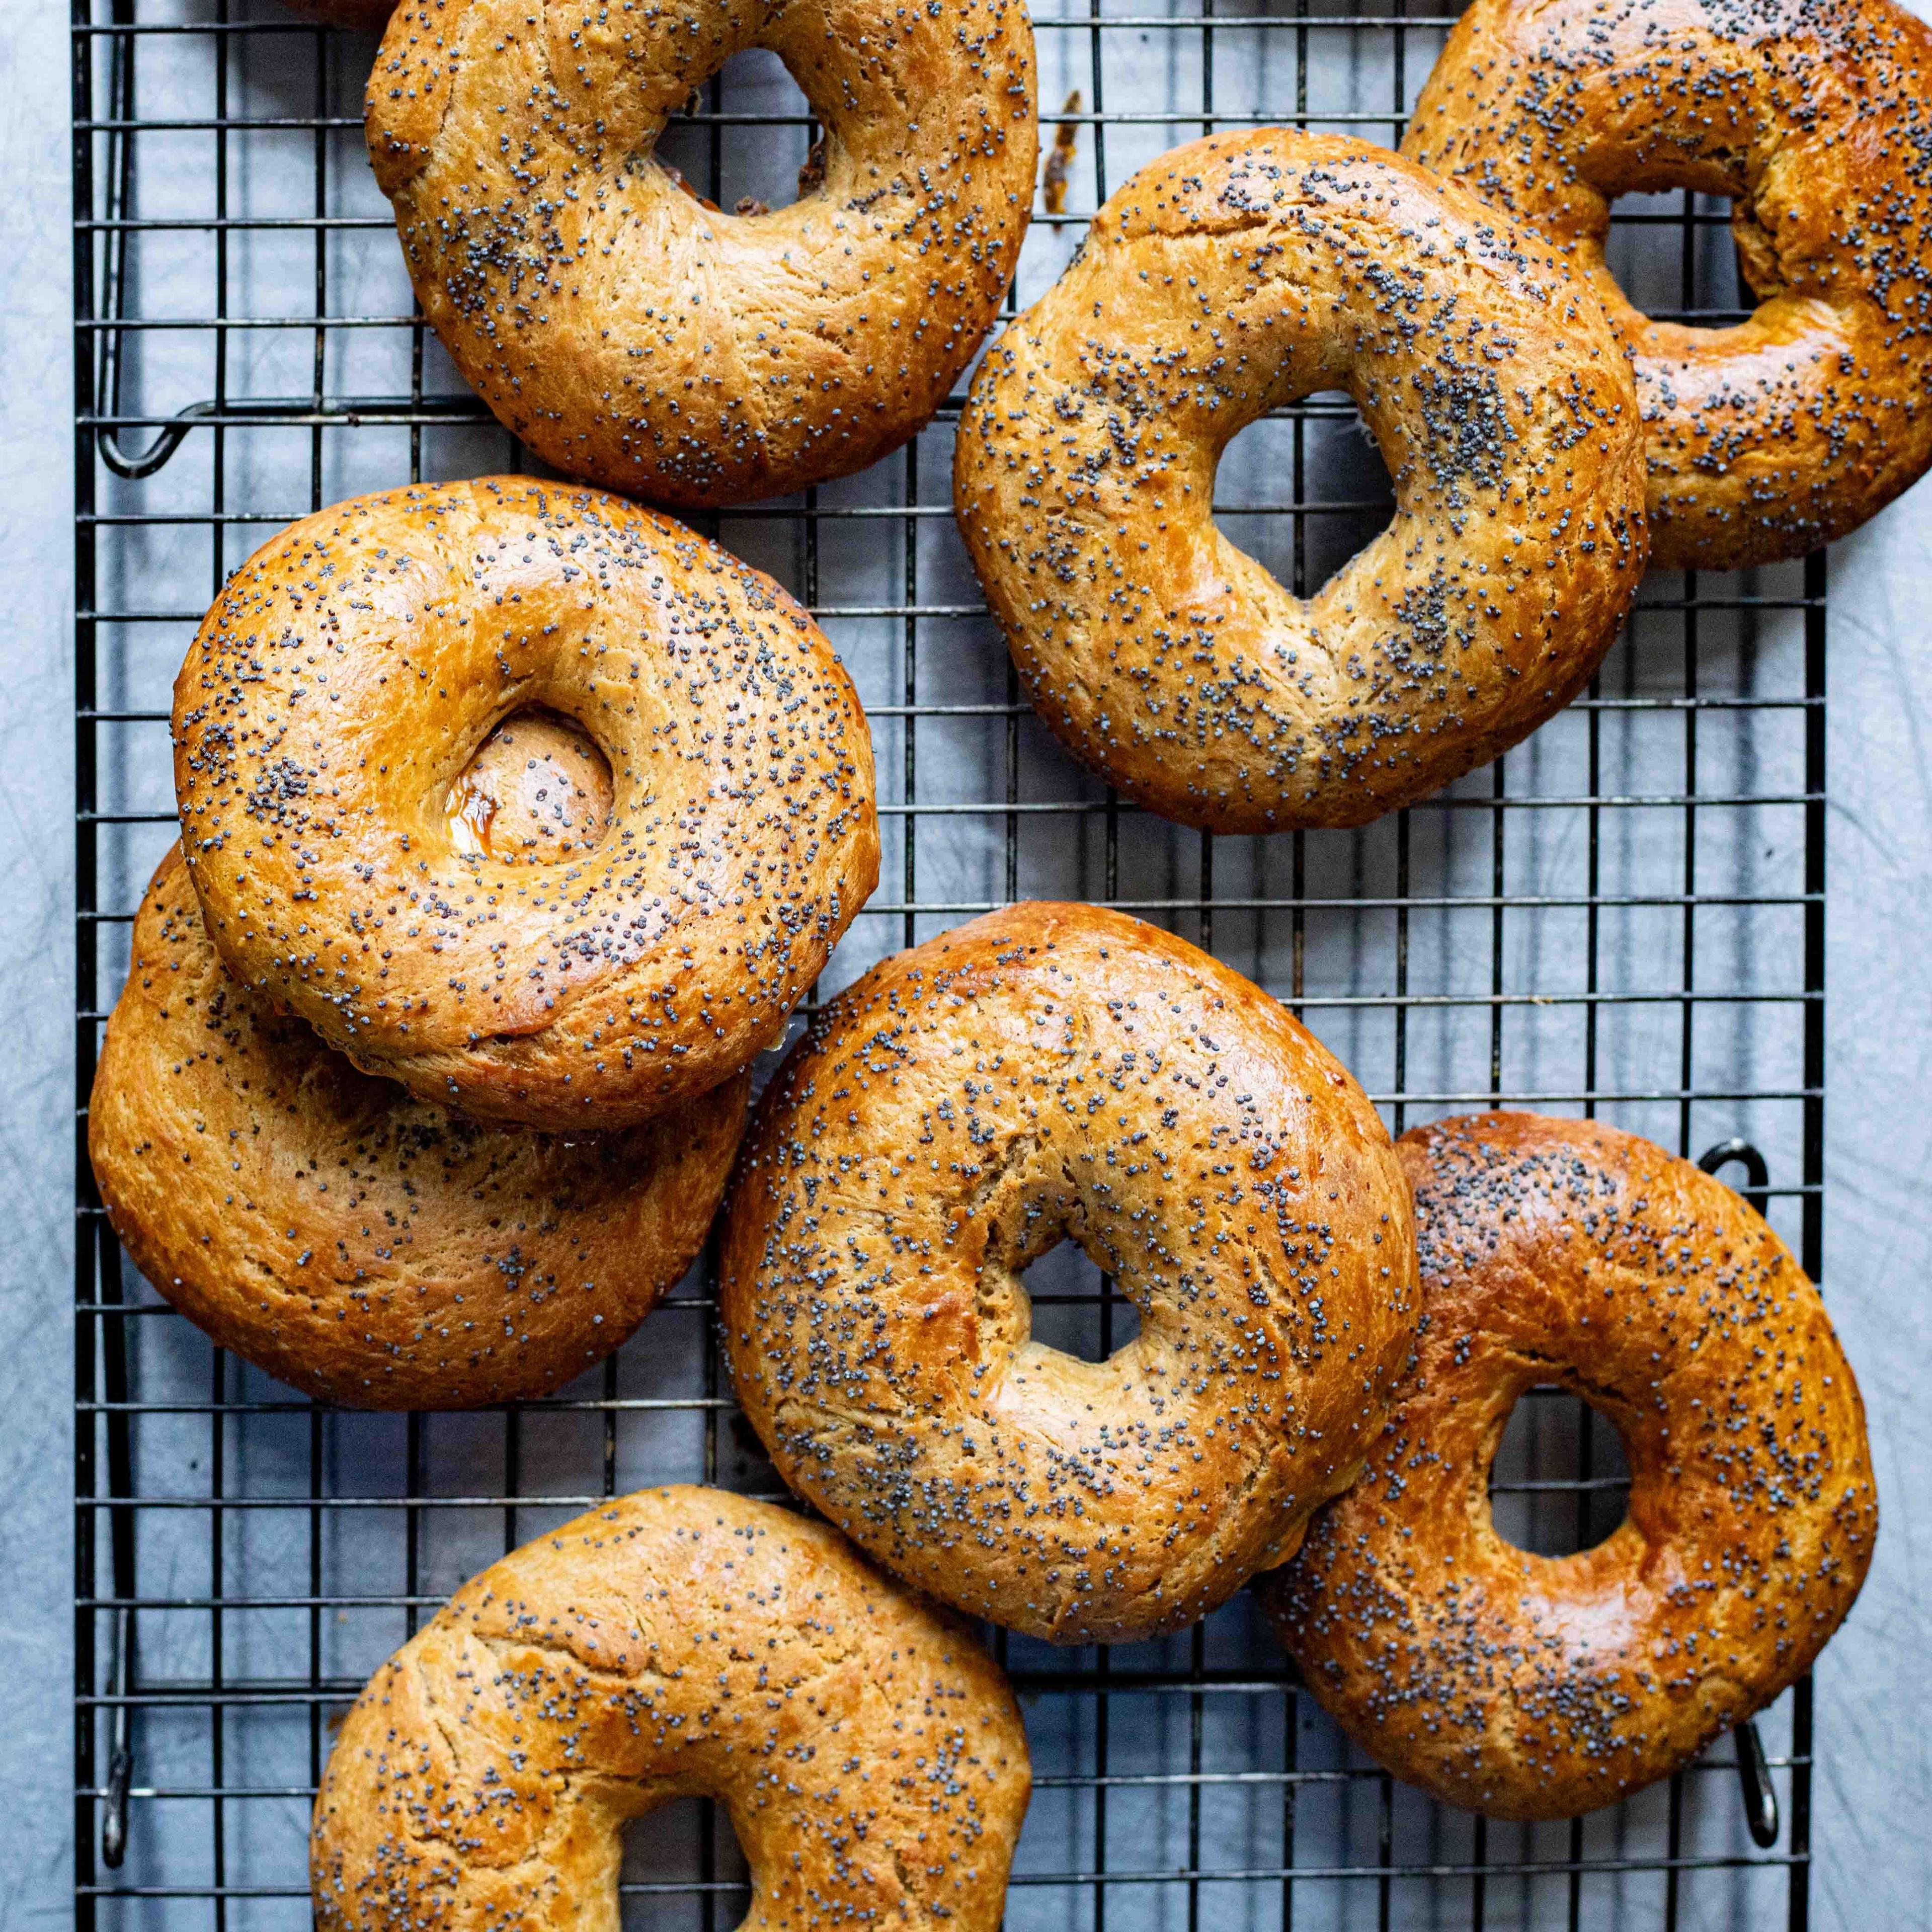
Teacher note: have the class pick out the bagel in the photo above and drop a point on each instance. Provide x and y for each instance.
(1532, 1687)
(360, 1246)
(631, 334)
(1056, 1072)
(343, 685)
(1766, 439)
(1232, 277)
(677, 1642)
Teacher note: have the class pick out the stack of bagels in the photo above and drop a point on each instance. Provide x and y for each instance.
(516, 819)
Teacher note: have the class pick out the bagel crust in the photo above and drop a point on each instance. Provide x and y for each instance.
(631, 334)
(675, 1642)
(1532, 1687)
(340, 690)
(364, 1246)
(1234, 276)
(1815, 116)
(1057, 1071)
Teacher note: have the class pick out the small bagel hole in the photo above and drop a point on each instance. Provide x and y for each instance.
(1651, 278)
(1559, 1481)
(687, 1842)
(1075, 1310)
(537, 792)
(743, 168)
(1303, 490)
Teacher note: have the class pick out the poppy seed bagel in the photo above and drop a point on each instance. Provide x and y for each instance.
(1535, 1687)
(1232, 277)
(631, 334)
(1056, 1072)
(345, 681)
(362, 1246)
(1769, 438)
(674, 1643)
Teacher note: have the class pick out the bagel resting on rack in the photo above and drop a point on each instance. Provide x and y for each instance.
(1535, 1687)
(1231, 277)
(364, 1246)
(675, 1642)
(1770, 438)
(632, 334)
(328, 718)
(1055, 1072)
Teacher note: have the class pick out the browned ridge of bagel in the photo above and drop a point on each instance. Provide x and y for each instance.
(1815, 117)
(1051, 1073)
(629, 333)
(1535, 1687)
(1231, 277)
(362, 1246)
(328, 722)
(673, 1643)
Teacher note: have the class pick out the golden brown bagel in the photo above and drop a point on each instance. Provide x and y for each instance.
(1769, 438)
(1056, 1072)
(631, 335)
(364, 1246)
(1234, 275)
(676, 1642)
(343, 683)
(1536, 1687)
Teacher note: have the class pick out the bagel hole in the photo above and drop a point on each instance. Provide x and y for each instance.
(743, 168)
(1716, 294)
(1559, 1481)
(1076, 1310)
(1303, 490)
(537, 792)
(686, 1853)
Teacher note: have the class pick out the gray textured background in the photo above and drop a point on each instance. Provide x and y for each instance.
(1873, 1866)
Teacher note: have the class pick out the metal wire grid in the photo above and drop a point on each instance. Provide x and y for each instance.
(1625, 915)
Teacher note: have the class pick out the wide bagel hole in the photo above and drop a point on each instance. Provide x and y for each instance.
(537, 792)
(745, 142)
(1075, 1310)
(1303, 489)
(684, 1860)
(1701, 284)
(1559, 1481)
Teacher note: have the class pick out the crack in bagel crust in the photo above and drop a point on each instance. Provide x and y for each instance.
(1530, 1687)
(364, 1246)
(1766, 439)
(341, 685)
(1056, 1071)
(678, 1641)
(632, 335)
(1234, 275)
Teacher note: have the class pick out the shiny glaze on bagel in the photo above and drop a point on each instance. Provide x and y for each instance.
(350, 674)
(364, 1246)
(1769, 438)
(1051, 1072)
(1535, 1687)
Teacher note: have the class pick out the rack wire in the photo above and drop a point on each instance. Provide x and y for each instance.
(1624, 916)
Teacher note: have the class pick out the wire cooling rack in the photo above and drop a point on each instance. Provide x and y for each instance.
(1623, 916)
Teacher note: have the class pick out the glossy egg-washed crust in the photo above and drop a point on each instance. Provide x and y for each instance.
(675, 1643)
(1767, 439)
(345, 679)
(1233, 276)
(633, 335)
(1534, 1687)
(362, 1246)
(1051, 1072)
